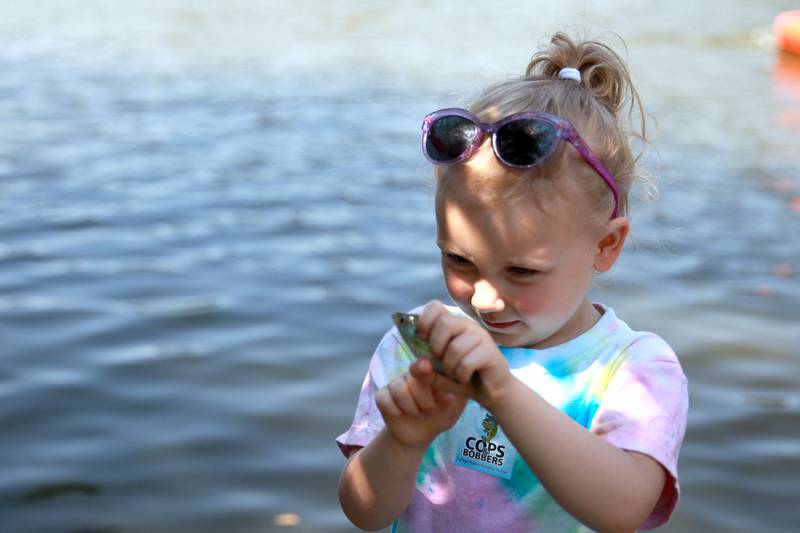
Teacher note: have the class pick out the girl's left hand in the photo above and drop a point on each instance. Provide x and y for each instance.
(465, 348)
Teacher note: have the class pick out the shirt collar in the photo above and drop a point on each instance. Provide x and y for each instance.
(574, 355)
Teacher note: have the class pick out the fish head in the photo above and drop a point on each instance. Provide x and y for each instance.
(407, 326)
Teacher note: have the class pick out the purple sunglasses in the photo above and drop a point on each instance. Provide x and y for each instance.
(521, 140)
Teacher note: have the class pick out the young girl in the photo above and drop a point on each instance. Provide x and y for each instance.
(574, 420)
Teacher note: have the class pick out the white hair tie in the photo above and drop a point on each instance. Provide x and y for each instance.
(569, 73)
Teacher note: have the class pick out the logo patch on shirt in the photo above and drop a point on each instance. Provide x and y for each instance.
(482, 445)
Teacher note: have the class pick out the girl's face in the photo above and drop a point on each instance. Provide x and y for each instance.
(522, 273)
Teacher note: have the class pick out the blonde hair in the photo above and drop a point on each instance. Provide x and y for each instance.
(601, 106)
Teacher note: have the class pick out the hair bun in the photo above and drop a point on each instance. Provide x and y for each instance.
(603, 73)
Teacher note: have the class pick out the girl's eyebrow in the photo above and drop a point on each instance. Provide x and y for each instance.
(514, 261)
(529, 264)
(446, 247)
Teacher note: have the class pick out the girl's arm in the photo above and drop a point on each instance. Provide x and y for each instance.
(606, 488)
(378, 481)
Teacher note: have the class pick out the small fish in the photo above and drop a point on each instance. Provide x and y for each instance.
(407, 326)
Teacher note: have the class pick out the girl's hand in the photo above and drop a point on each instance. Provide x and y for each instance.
(466, 349)
(414, 411)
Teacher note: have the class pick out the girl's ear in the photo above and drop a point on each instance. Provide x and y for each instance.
(610, 244)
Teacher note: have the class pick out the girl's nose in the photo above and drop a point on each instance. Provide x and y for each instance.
(485, 297)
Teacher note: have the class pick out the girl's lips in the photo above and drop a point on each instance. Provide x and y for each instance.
(500, 325)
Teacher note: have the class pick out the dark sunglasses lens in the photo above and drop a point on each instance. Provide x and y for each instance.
(526, 142)
(449, 137)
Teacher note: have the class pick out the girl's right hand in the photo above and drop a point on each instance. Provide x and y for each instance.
(414, 412)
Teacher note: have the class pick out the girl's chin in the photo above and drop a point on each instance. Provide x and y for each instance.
(513, 339)
(521, 336)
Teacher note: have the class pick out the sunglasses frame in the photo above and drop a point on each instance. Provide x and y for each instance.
(565, 131)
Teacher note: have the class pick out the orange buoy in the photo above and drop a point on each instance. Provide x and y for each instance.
(787, 31)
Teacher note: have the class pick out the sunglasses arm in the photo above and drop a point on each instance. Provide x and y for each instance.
(598, 167)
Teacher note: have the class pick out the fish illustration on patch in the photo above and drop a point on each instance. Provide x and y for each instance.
(489, 427)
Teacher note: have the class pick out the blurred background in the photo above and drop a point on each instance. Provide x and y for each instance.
(208, 210)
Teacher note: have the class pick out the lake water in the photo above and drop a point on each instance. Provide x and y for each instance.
(209, 209)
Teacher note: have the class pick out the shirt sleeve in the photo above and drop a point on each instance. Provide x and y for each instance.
(644, 409)
(390, 360)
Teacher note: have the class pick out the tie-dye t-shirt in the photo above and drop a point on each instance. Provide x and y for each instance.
(625, 386)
